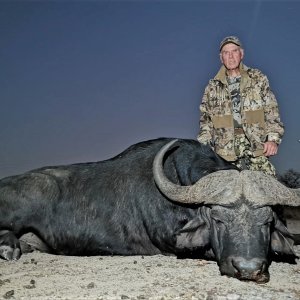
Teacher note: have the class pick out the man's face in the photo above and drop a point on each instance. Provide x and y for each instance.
(231, 56)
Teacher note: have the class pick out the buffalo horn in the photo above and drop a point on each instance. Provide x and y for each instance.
(222, 187)
(261, 189)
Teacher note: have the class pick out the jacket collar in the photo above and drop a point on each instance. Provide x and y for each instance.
(221, 75)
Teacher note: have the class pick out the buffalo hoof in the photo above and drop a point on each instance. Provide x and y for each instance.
(9, 246)
(30, 242)
(9, 253)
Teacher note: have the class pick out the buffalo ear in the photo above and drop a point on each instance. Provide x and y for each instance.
(281, 240)
(194, 234)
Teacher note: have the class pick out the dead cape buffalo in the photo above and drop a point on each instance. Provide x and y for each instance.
(156, 197)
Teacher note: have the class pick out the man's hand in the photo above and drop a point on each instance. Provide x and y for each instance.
(270, 148)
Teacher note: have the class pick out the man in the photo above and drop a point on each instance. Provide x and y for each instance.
(239, 112)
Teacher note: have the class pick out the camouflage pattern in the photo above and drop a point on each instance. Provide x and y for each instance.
(234, 89)
(246, 161)
(259, 114)
(230, 39)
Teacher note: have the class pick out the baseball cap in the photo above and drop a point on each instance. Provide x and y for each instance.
(230, 39)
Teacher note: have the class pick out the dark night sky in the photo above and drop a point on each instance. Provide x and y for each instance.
(83, 80)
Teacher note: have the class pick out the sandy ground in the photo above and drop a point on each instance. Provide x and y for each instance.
(44, 276)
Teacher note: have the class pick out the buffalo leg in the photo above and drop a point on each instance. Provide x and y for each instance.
(9, 245)
(30, 242)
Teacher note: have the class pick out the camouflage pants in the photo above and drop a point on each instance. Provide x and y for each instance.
(246, 161)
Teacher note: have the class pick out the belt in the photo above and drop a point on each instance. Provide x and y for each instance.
(239, 130)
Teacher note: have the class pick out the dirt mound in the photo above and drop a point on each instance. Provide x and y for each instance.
(44, 276)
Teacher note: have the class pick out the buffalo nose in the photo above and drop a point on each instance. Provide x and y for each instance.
(252, 269)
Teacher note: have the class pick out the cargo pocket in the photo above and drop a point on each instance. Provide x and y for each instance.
(255, 116)
(222, 121)
(255, 127)
(223, 126)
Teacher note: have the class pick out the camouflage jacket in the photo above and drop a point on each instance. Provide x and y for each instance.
(259, 113)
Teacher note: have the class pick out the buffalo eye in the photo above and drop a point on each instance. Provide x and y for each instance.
(265, 222)
(264, 216)
(217, 217)
(217, 220)
(219, 223)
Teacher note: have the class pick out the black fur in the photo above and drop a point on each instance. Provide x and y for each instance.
(108, 207)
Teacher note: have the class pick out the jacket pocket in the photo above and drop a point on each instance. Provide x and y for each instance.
(224, 121)
(255, 128)
(255, 116)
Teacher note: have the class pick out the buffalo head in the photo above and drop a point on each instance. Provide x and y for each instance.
(237, 218)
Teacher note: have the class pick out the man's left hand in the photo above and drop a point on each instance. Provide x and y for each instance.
(270, 148)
